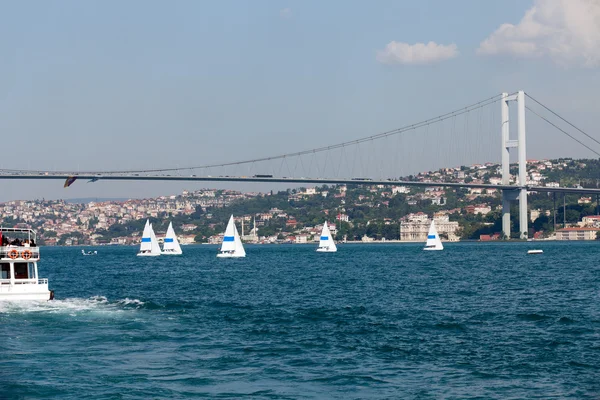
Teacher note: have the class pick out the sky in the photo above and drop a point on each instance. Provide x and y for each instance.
(100, 85)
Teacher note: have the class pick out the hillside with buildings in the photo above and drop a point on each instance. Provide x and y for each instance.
(355, 212)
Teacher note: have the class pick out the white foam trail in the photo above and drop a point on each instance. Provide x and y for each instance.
(71, 306)
(131, 302)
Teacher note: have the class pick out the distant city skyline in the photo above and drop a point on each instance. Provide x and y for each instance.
(140, 85)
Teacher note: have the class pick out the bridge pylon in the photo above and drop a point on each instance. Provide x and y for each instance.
(520, 191)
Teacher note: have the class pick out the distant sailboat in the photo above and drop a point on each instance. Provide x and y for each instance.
(433, 239)
(232, 244)
(149, 246)
(171, 245)
(326, 243)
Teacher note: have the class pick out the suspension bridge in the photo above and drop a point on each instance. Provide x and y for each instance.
(473, 135)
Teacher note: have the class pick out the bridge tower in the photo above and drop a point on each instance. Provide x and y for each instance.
(520, 191)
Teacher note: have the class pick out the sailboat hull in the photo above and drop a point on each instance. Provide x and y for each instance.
(325, 250)
(147, 254)
(171, 253)
(432, 249)
(225, 255)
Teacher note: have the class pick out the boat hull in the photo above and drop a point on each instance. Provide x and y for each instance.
(147, 254)
(535, 252)
(25, 292)
(432, 249)
(171, 253)
(324, 250)
(224, 255)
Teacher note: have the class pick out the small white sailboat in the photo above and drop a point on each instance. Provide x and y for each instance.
(326, 243)
(232, 246)
(171, 244)
(149, 246)
(433, 239)
(89, 253)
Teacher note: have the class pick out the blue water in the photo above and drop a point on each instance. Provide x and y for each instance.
(371, 321)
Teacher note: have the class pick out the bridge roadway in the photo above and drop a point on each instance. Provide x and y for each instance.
(319, 181)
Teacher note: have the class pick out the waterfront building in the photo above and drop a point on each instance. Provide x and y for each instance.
(591, 221)
(576, 234)
(415, 227)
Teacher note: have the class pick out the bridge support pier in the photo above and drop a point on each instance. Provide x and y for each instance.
(523, 217)
(520, 144)
(507, 197)
(505, 215)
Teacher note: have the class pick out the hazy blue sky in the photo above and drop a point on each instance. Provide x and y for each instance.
(144, 84)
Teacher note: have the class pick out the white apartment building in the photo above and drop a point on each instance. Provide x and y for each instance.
(576, 234)
(400, 189)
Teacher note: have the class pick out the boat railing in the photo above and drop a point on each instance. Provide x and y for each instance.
(20, 253)
(43, 281)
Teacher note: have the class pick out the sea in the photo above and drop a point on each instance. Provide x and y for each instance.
(372, 321)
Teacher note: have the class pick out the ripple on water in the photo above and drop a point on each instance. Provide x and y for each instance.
(533, 317)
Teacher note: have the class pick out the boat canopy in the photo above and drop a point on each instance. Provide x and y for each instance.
(20, 232)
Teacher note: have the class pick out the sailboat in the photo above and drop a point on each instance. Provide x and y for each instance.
(149, 246)
(326, 243)
(171, 245)
(232, 244)
(433, 239)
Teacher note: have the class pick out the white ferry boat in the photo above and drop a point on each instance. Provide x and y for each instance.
(19, 255)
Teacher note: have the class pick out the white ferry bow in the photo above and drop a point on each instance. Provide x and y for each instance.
(19, 278)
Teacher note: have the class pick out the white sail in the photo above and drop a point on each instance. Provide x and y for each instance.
(146, 245)
(433, 239)
(171, 244)
(155, 246)
(149, 245)
(232, 244)
(326, 243)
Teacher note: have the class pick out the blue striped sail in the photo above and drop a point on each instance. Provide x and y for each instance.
(232, 243)
(433, 239)
(326, 243)
(171, 244)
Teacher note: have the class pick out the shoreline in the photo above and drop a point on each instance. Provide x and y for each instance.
(338, 243)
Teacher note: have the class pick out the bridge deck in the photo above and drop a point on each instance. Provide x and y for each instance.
(320, 181)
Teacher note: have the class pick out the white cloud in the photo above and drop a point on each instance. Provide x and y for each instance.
(566, 31)
(285, 13)
(418, 53)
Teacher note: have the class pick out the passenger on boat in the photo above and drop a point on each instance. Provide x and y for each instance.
(4, 241)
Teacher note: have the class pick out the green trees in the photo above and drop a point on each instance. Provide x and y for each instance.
(542, 223)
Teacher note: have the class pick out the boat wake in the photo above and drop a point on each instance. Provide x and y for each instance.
(72, 306)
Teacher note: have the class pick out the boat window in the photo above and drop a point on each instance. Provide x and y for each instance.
(31, 270)
(5, 271)
(21, 271)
